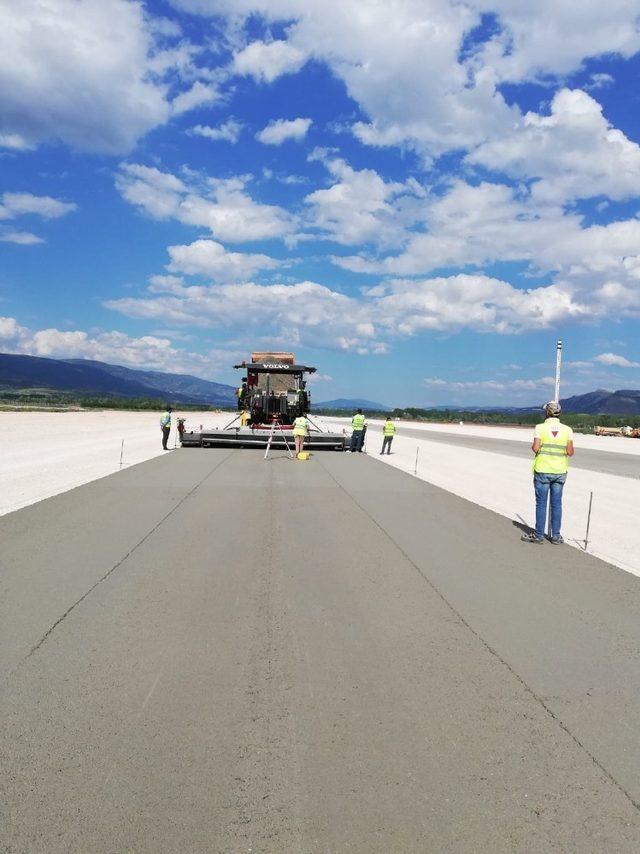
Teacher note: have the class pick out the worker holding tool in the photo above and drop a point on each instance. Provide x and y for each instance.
(389, 431)
(165, 426)
(358, 427)
(300, 431)
(552, 446)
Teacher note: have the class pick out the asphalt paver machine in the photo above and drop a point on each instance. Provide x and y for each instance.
(272, 394)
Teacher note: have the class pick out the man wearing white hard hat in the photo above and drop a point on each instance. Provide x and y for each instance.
(552, 446)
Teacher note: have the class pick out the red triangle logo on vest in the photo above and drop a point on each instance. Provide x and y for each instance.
(554, 433)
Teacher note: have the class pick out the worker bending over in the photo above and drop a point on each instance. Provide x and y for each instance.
(358, 427)
(552, 446)
(300, 432)
(389, 431)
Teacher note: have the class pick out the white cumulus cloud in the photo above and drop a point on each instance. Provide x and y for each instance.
(305, 311)
(211, 260)
(76, 70)
(361, 207)
(404, 63)
(147, 351)
(612, 359)
(490, 385)
(197, 96)
(14, 205)
(279, 130)
(266, 61)
(18, 204)
(221, 205)
(229, 131)
(14, 142)
(574, 152)
(20, 238)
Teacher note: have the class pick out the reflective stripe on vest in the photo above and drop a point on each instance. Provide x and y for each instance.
(552, 457)
(389, 428)
(300, 426)
(357, 422)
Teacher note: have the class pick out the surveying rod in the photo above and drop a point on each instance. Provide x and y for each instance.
(556, 395)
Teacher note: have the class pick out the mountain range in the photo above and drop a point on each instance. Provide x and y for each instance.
(599, 402)
(603, 402)
(89, 377)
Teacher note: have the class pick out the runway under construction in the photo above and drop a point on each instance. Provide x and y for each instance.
(210, 652)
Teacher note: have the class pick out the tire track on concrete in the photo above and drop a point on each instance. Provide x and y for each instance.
(122, 560)
(494, 652)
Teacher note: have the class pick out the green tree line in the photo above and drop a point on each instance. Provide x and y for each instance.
(581, 422)
(46, 398)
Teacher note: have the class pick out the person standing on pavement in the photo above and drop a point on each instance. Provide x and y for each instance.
(389, 431)
(552, 446)
(165, 426)
(300, 432)
(358, 426)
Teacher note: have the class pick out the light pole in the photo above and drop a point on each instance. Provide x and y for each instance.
(556, 395)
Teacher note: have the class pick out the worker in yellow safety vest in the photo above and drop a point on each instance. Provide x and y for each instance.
(388, 431)
(300, 431)
(165, 426)
(552, 446)
(358, 428)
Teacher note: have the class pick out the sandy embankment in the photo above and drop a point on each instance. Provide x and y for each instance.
(47, 453)
(503, 483)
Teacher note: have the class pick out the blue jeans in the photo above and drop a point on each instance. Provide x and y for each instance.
(357, 440)
(544, 484)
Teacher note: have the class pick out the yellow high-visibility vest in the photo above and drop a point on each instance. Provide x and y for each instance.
(389, 428)
(358, 421)
(301, 426)
(552, 457)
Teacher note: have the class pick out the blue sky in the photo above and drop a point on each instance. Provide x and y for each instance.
(418, 197)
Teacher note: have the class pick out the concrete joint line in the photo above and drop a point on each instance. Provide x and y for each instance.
(490, 649)
(46, 635)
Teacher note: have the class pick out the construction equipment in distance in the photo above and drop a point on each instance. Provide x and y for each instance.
(629, 432)
(272, 394)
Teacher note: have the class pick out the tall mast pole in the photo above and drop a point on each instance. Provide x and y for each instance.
(556, 395)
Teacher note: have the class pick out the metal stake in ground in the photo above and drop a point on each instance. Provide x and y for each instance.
(415, 470)
(586, 536)
(121, 452)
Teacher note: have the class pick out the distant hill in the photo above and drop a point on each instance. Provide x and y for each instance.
(90, 377)
(183, 387)
(602, 402)
(348, 403)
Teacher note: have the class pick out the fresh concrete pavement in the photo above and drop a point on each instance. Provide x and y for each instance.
(209, 652)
